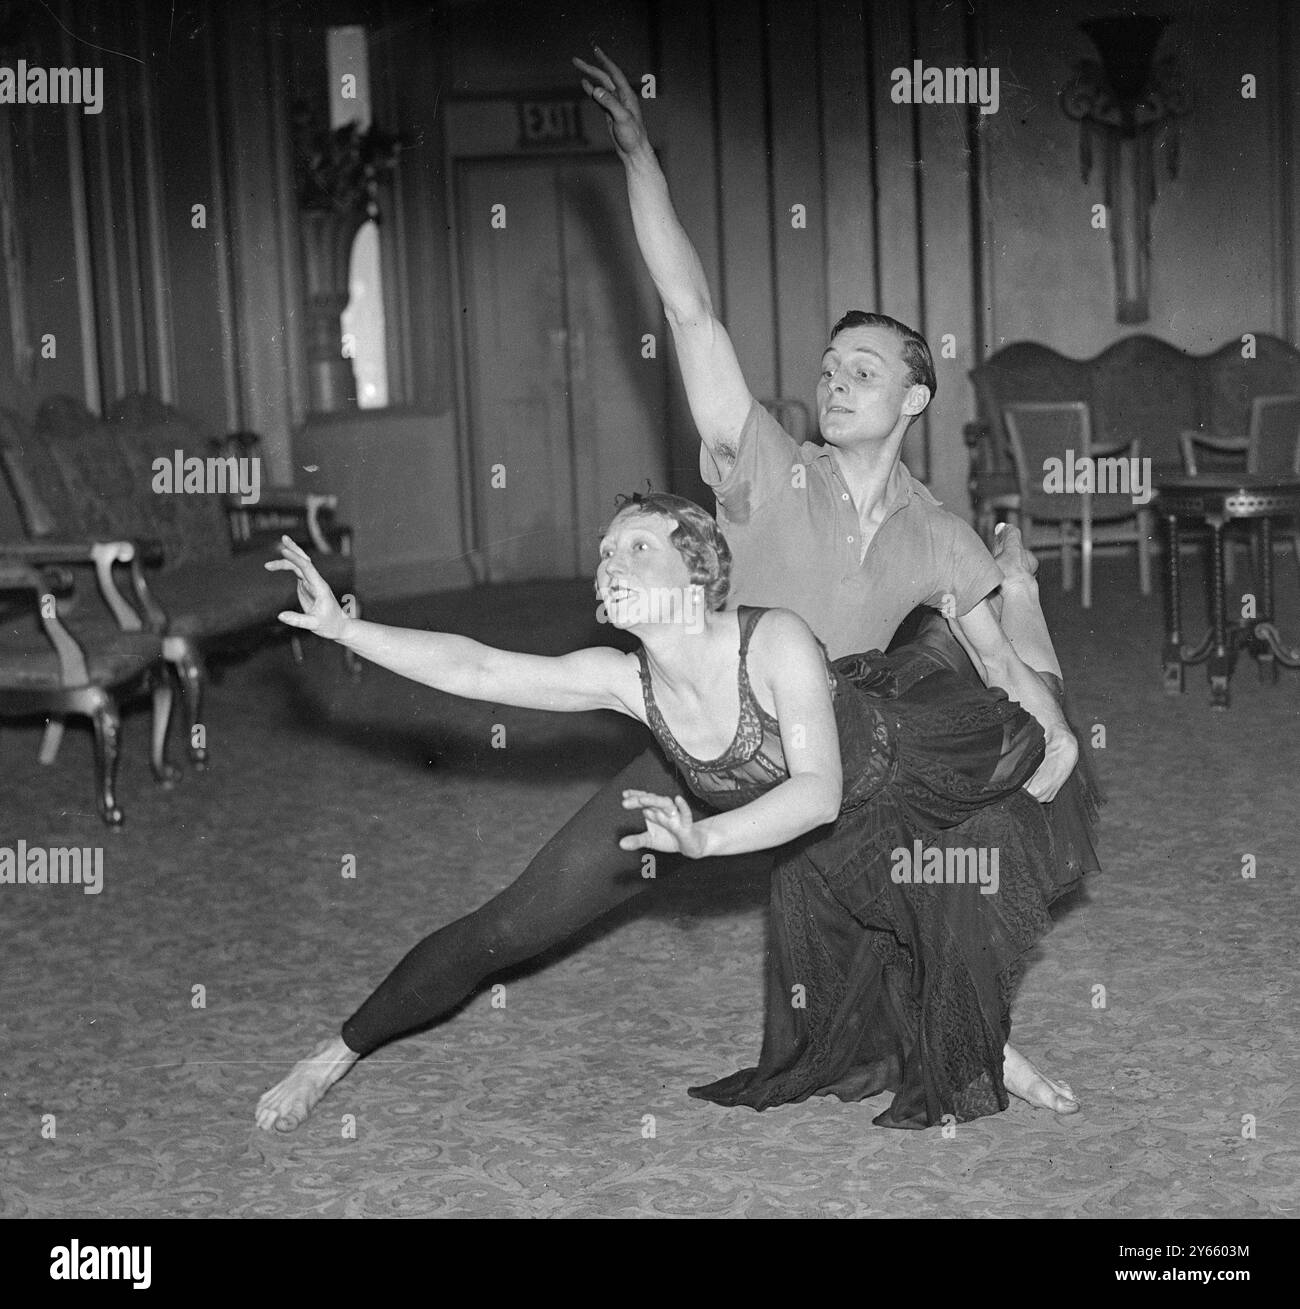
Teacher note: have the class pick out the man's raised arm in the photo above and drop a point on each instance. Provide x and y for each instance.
(715, 387)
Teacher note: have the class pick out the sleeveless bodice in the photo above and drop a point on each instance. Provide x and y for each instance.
(754, 761)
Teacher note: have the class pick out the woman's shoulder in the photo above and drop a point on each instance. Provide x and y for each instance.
(773, 621)
(781, 632)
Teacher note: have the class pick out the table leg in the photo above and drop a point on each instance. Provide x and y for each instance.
(1172, 663)
(1220, 668)
(1267, 642)
(1263, 649)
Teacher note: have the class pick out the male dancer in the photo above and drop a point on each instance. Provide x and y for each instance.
(852, 543)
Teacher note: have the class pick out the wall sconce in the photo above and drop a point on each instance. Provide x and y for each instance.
(1128, 106)
(338, 176)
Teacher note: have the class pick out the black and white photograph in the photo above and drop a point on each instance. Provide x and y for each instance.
(649, 609)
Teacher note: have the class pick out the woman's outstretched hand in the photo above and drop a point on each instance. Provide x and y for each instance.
(610, 90)
(321, 612)
(669, 825)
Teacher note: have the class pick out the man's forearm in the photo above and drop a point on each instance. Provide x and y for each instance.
(667, 250)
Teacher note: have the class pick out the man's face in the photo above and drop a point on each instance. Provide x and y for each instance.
(863, 387)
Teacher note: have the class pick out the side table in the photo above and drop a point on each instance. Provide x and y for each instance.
(1216, 500)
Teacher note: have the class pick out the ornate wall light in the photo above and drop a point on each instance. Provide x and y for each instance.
(338, 176)
(1128, 106)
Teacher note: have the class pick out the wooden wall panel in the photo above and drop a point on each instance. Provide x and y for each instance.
(947, 259)
(899, 256)
(747, 298)
(797, 179)
(849, 163)
(681, 122)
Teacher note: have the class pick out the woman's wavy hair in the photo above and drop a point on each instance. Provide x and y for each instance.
(697, 538)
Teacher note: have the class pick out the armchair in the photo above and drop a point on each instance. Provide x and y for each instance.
(49, 666)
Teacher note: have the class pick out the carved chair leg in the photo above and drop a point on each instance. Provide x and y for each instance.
(1085, 553)
(1146, 527)
(164, 773)
(51, 741)
(108, 725)
(193, 675)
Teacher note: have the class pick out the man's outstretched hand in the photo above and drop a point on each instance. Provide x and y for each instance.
(1058, 763)
(610, 90)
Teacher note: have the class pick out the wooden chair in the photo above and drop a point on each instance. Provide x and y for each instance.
(1271, 445)
(52, 666)
(1044, 430)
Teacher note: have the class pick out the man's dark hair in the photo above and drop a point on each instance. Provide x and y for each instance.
(916, 349)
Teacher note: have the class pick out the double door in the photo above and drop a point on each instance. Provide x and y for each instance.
(567, 400)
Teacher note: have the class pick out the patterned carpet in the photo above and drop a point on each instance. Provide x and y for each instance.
(545, 1106)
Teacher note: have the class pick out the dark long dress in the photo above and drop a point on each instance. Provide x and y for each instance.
(875, 983)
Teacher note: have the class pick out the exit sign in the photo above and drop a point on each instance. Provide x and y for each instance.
(550, 122)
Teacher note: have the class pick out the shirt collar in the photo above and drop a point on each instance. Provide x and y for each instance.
(900, 490)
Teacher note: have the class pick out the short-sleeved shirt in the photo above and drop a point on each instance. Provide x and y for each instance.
(796, 541)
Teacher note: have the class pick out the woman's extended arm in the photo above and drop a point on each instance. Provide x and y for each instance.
(586, 679)
(785, 659)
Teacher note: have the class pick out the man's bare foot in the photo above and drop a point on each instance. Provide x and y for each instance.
(288, 1103)
(1024, 1081)
(1017, 563)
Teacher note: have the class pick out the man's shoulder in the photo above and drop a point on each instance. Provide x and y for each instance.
(943, 528)
(760, 421)
(918, 491)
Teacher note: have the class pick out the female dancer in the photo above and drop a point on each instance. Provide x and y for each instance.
(877, 981)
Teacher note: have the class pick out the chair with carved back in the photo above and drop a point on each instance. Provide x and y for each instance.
(1042, 431)
(86, 654)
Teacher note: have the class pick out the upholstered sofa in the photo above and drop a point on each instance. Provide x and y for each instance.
(1138, 388)
(197, 575)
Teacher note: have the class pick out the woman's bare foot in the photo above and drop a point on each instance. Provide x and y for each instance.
(1024, 1081)
(1017, 563)
(288, 1103)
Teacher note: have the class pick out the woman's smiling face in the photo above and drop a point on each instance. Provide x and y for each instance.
(641, 573)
